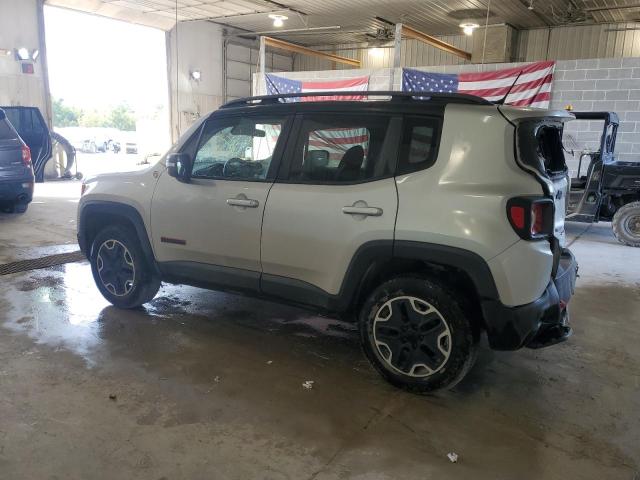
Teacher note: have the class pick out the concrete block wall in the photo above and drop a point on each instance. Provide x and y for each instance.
(611, 84)
(606, 84)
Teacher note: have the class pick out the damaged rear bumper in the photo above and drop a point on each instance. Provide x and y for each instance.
(540, 323)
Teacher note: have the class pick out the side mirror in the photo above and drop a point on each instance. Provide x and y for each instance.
(179, 166)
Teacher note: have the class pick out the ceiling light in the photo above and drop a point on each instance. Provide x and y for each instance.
(35, 54)
(22, 53)
(468, 27)
(196, 75)
(376, 52)
(278, 20)
(5, 52)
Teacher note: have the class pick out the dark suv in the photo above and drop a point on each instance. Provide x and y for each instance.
(16, 171)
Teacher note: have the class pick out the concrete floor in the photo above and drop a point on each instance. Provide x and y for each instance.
(207, 385)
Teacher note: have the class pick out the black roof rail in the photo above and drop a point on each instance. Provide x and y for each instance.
(395, 96)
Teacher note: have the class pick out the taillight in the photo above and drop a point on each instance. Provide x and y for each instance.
(26, 156)
(531, 217)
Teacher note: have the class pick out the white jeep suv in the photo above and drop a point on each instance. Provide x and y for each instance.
(431, 220)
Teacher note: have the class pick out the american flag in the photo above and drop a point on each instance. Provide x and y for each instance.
(533, 88)
(335, 141)
(279, 85)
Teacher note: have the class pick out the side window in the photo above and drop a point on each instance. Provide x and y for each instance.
(340, 148)
(237, 149)
(420, 139)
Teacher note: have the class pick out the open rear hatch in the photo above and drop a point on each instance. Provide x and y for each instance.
(539, 151)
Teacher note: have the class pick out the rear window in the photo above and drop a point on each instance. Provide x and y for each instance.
(25, 120)
(550, 149)
(419, 144)
(6, 132)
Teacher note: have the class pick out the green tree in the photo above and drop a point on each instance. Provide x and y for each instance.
(64, 116)
(122, 118)
(93, 118)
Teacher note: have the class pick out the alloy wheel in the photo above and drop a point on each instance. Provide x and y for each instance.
(411, 336)
(115, 267)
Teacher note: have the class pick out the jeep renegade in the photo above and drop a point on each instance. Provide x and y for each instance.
(430, 220)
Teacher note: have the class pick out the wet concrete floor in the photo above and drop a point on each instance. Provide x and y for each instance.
(204, 385)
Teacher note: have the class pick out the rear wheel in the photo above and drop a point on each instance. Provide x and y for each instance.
(626, 224)
(416, 335)
(121, 271)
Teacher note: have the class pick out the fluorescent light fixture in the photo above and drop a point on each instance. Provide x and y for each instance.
(468, 27)
(35, 54)
(22, 53)
(4, 52)
(376, 52)
(196, 75)
(278, 20)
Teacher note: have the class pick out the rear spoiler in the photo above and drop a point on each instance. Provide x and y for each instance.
(516, 114)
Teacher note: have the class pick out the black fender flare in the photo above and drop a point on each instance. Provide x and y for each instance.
(371, 255)
(131, 214)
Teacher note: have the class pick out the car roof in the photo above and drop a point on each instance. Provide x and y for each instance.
(353, 100)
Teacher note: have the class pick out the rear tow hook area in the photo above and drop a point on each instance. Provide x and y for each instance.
(552, 333)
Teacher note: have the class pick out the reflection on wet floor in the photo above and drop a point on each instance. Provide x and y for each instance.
(61, 307)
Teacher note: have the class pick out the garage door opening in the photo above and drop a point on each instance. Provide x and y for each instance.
(109, 92)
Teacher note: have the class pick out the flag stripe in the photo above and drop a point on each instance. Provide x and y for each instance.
(506, 72)
(504, 82)
(525, 85)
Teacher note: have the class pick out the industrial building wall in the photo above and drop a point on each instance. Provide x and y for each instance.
(20, 26)
(557, 43)
(226, 69)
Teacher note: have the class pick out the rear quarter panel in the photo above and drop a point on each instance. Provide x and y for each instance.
(461, 200)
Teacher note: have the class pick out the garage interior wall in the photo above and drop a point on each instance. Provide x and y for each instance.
(226, 65)
(556, 43)
(23, 27)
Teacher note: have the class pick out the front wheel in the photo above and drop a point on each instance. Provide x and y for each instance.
(626, 224)
(416, 335)
(121, 271)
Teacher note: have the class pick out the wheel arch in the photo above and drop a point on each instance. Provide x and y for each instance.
(463, 271)
(94, 215)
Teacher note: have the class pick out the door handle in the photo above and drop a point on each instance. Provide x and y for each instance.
(368, 211)
(243, 202)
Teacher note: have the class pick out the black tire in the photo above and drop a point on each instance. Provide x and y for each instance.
(626, 224)
(429, 346)
(20, 207)
(128, 281)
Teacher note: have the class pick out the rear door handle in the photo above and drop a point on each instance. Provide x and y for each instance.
(243, 202)
(368, 211)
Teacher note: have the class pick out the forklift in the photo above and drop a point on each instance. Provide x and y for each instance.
(608, 190)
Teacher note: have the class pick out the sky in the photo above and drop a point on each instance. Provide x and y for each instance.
(95, 62)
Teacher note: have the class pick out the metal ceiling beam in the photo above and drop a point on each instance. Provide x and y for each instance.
(434, 42)
(292, 47)
(613, 7)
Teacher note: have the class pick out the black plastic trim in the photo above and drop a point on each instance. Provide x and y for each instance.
(96, 207)
(364, 260)
(511, 328)
(468, 262)
(214, 277)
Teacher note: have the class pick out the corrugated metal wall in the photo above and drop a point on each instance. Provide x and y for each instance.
(558, 43)
(578, 42)
(414, 53)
